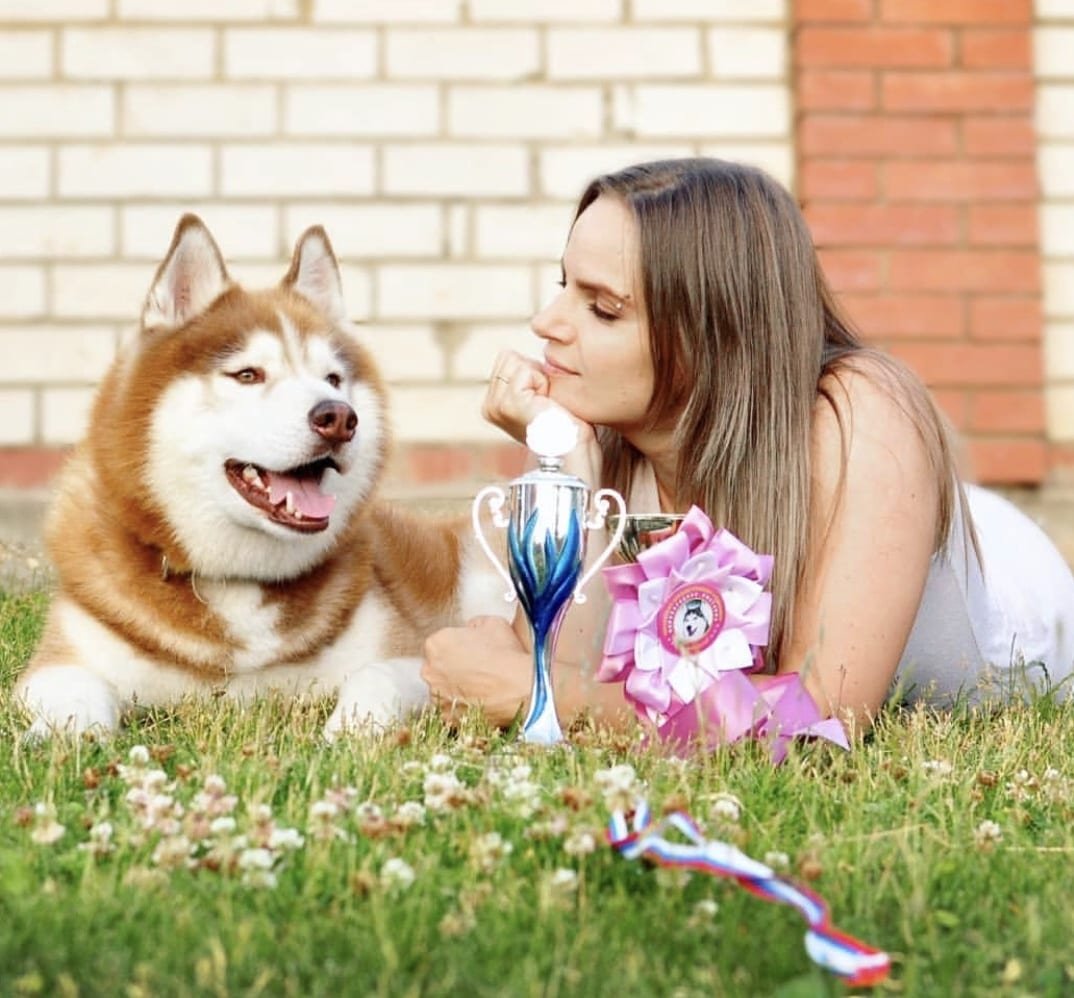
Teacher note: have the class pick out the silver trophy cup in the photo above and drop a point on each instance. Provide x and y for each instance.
(547, 519)
(640, 531)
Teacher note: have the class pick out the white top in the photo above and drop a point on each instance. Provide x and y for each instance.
(982, 632)
(997, 629)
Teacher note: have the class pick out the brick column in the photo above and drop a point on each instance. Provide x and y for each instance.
(917, 174)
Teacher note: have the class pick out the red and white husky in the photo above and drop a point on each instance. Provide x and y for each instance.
(215, 531)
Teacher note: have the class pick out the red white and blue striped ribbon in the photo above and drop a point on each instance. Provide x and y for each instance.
(858, 964)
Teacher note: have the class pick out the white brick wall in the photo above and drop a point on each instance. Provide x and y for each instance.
(58, 111)
(77, 230)
(25, 172)
(137, 54)
(441, 143)
(205, 110)
(25, 55)
(1053, 43)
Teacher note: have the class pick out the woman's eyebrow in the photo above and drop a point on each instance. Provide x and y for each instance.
(595, 287)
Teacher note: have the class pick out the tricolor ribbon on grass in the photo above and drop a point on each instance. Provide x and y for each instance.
(860, 965)
(688, 622)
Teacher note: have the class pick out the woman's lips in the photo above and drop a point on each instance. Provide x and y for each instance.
(551, 367)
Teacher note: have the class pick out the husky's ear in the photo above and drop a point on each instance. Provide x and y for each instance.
(314, 273)
(191, 276)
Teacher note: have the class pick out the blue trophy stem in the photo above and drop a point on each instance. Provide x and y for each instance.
(542, 724)
(545, 566)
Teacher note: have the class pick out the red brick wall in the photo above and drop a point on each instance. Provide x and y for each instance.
(917, 174)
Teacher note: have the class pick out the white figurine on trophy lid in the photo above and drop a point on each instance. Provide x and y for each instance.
(551, 435)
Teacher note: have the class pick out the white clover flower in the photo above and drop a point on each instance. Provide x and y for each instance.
(212, 806)
(214, 785)
(172, 852)
(938, 767)
(440, 763)
(987, 834)
(368, 811)
(156, 781)
(580, 843)
(490, 850)
(138, 756)
(260, 878)
(213, 798)
(443, 791)
(412, 768)
(618, 777)
(324, 810)
(261, 814)
(523, 791)
(396, 874)
(47, 829)
(257, 867)
(224, 825)
(620, 787)
(137, 799)
(342, 797)
(777, 860)
(563, 881)
(725, 807)
(410, 813)
(286, 839)
(672, 878)
(100, 839)
(706, 908)
(256, 859)
(323, 814)
(521, 773)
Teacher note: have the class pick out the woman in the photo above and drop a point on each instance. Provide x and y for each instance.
(697, 345)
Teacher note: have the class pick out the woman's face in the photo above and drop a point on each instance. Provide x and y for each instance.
(595, 332)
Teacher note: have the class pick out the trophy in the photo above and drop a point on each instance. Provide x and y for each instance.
(546, 521)
(642, 530)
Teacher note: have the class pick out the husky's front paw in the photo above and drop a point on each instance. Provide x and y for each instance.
(376, 697)
(68, 700)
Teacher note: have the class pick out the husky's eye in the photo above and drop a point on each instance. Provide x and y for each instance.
(334, 380)
(248, 376)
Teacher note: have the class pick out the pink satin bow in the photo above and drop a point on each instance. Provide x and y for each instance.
(688, 621)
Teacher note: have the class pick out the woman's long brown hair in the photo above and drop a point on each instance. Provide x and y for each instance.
(744, 336)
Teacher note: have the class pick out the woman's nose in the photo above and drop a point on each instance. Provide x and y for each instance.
(548, 323)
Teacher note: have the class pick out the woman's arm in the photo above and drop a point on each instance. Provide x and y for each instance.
(874, 526)
(486, 664)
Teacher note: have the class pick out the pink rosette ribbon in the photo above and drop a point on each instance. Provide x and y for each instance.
(688, 621)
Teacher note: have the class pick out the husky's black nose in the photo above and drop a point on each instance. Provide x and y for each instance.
(335, 421)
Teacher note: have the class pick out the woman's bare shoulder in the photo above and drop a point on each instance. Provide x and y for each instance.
(868, 397)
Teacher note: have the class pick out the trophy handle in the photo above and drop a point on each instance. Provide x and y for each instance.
(496, 499)
(600, 512)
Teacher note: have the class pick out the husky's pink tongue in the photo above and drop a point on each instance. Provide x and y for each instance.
(306, 493)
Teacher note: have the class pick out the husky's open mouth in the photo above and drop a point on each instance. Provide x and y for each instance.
(292, 498)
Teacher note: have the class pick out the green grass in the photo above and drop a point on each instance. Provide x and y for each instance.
(890, 835)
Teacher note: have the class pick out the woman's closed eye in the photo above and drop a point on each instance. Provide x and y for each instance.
(605, 311)
(605, 315)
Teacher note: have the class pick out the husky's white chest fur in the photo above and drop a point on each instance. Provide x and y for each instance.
(216, 529)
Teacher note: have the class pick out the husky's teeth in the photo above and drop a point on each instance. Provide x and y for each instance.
(289, 502)
(298, 514)
(250, 475)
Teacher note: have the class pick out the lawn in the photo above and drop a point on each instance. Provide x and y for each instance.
(214, 851)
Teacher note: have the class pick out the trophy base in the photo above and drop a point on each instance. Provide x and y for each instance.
(543, 730)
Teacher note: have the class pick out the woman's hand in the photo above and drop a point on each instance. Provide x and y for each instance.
(482, 664)
(518, 391)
